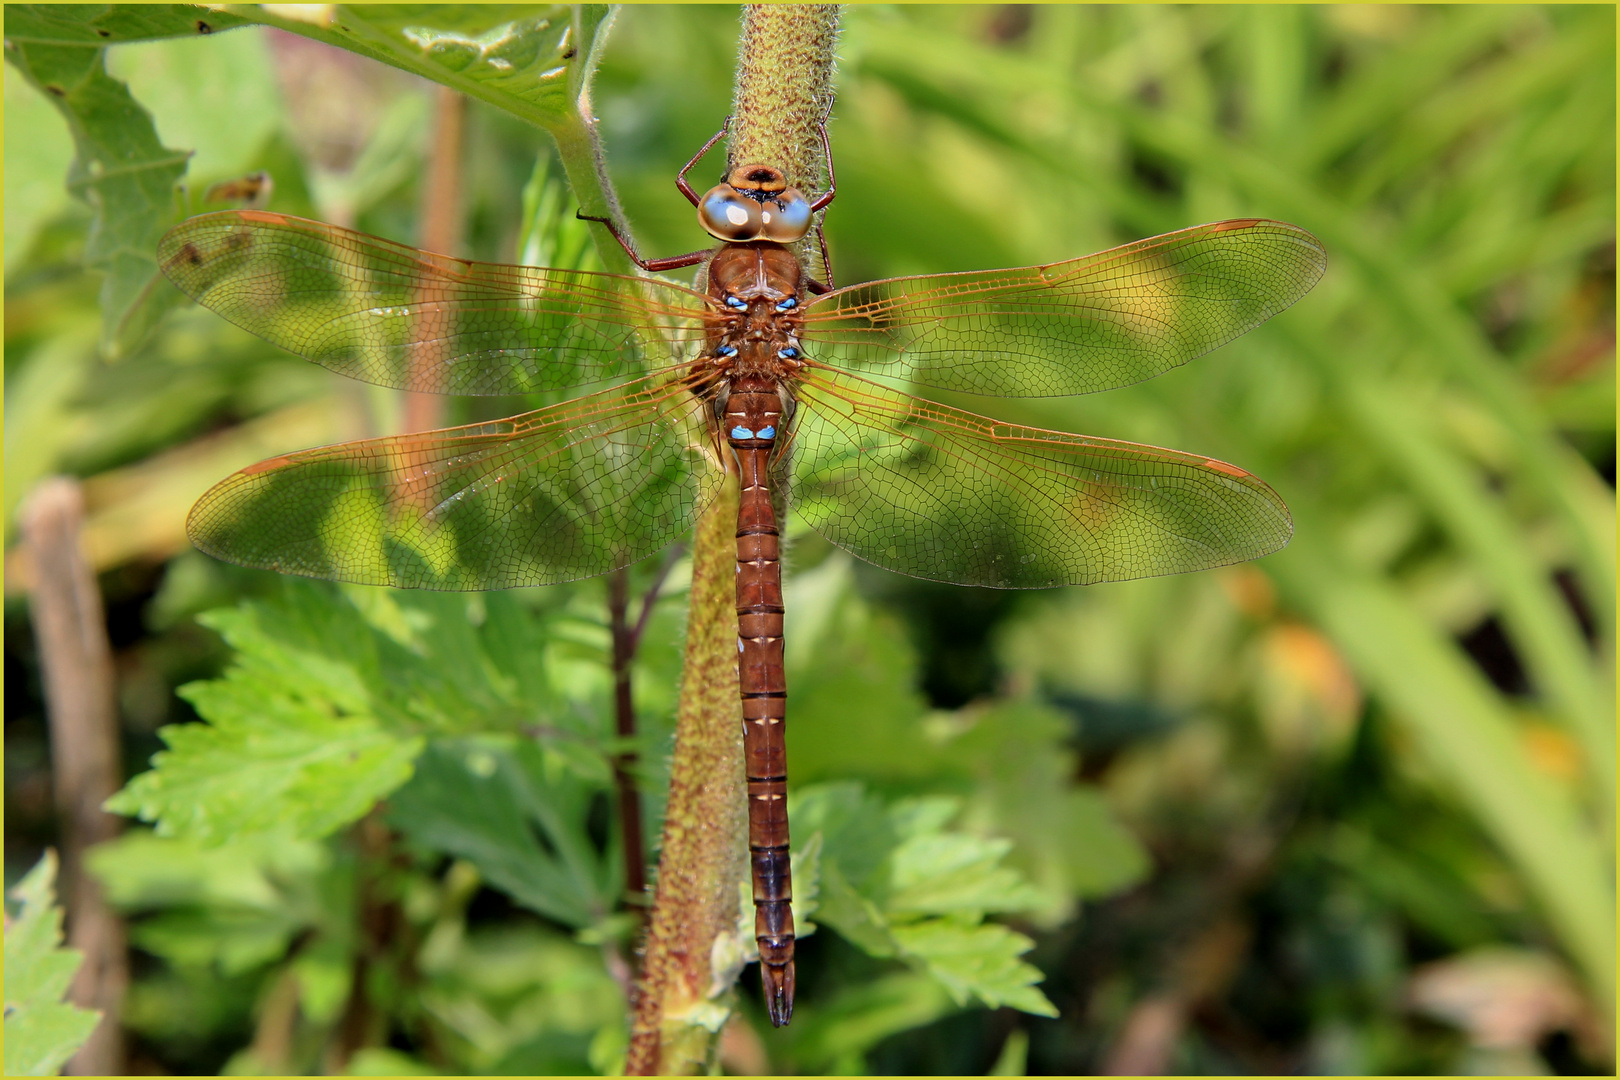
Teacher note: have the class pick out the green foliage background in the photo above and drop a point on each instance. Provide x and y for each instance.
(1282, 803)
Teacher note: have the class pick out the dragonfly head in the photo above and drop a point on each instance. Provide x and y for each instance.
(754, 202)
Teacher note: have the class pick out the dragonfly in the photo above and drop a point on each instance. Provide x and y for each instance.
(762, 372)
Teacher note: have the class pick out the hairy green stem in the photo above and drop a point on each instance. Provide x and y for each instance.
(783, 88)
(705, 825)
(783, 93)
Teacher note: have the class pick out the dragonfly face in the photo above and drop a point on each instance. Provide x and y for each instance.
(770, 375)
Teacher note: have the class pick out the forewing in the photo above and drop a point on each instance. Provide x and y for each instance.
(936, 493)
(565, 492)
(391, 315)
(1075, 327)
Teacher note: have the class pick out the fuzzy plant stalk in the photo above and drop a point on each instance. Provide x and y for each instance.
(783, 91)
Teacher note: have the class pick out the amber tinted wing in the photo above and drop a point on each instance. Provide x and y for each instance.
(942, 494)
(1074, 327)
(565, 492)
(395, 316)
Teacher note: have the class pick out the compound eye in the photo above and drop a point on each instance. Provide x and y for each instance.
(786, 217)
(726, 215)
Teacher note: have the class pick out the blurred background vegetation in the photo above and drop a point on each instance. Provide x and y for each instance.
(1349, 809)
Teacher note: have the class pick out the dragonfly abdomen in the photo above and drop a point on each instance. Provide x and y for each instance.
(751, 420)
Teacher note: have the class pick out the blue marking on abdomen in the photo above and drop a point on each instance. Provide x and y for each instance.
(766, 433)
(744, 433)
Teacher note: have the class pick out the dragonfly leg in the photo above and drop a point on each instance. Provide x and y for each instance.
(821, 203)
(826, 197)
(826, 264)
(654, 266)
(680, 178)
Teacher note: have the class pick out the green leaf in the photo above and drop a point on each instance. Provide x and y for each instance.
(329, 702)
(832, 1038)
(895, 882)
(940, 873)
(854, 684)
(382, 1061)
(525, 1000)
(532, 60)
(1013, 1060)
(42, 1031)
(325, 974)
(266, 761)
(1066, 839)
(41, 420)
(216, 95)
(95, 25)
(977, 959)
(121, 170)
(856, 840)
(517, 811)
(235, 905)
(1540, 621)
(38, 153)
(1467, 734)
(293, 743)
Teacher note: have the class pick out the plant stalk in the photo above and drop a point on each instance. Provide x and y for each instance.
(705, 823)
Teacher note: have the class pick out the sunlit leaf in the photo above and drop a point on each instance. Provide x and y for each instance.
(266, 761)
(532, 60)
(91, 26)
(895, 881)
(978, 960)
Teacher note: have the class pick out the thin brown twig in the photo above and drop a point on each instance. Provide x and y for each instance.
(626, 643)
(650, 597)
(624, 651)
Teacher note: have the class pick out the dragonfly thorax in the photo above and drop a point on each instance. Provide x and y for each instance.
(758, 271)
(756, 290)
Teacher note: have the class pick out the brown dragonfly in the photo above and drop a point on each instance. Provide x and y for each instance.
(765, 373)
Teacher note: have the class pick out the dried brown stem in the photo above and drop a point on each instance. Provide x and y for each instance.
(441, 232)
(71, 633)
